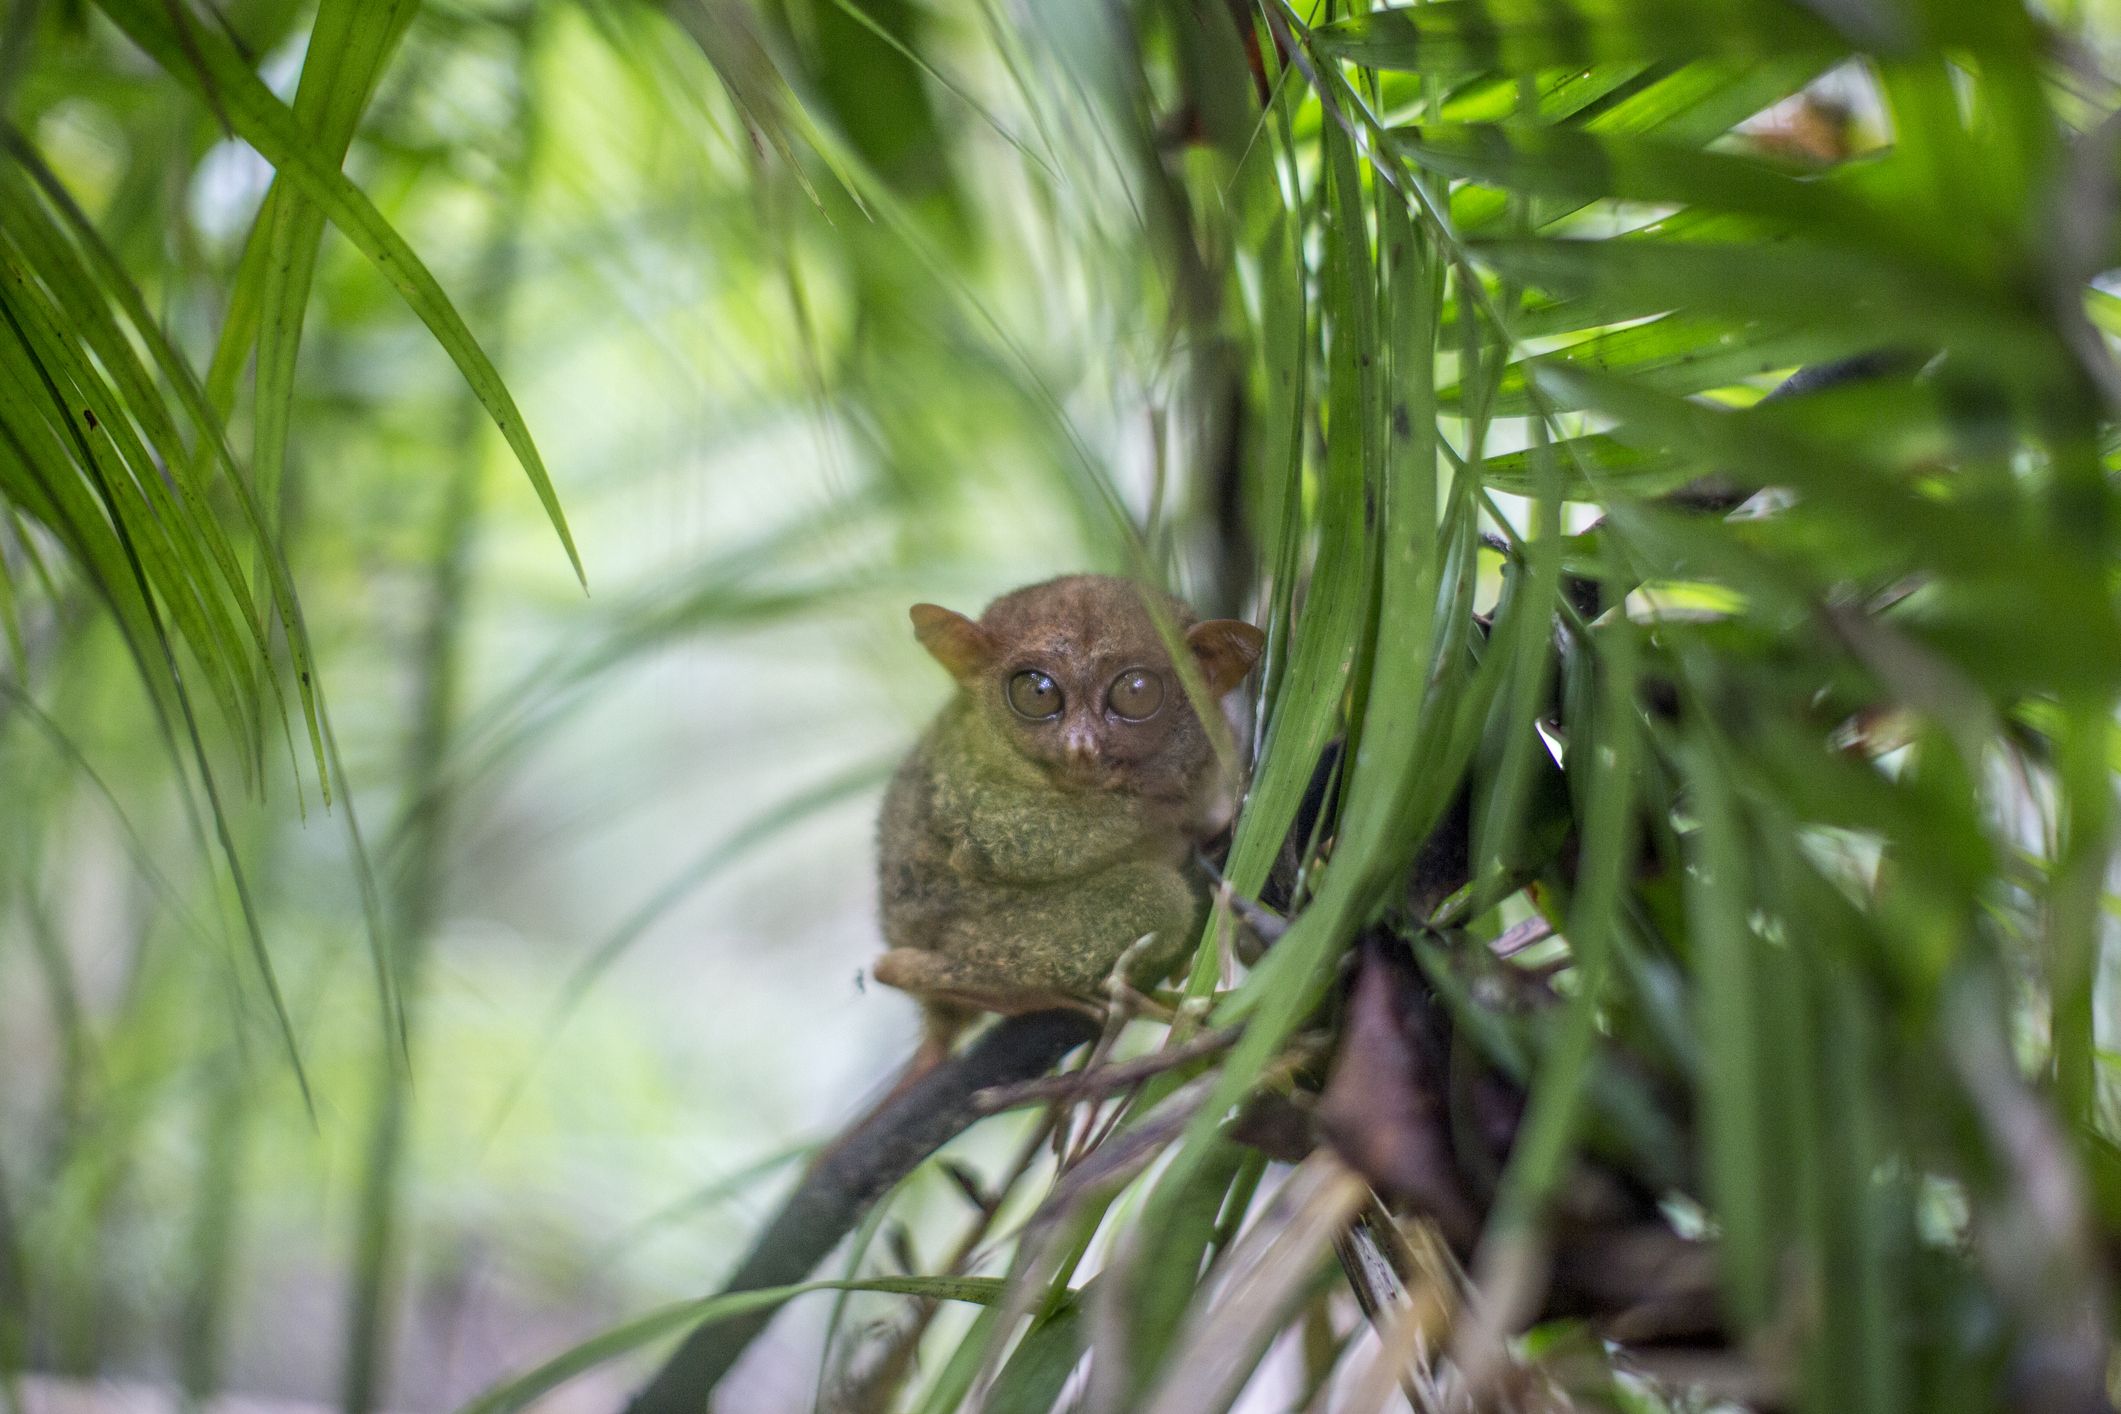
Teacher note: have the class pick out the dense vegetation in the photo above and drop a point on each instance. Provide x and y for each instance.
(1668, 932)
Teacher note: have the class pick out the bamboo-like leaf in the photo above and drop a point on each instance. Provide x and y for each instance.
(135, 497)
(685, 1315)
(1032, 1381)
(1335, 607)
(32, 409)
(1587, 165)
(1267, 1274)
(1675, 354)
(132, 396)
(1736, 1068)
(1562, 93)
(1897, 302)
(214, 448)
(1591, 468)
(1473, 36)
(206, 60)
(1607, 774)
(1144, 1292)
(347, 47)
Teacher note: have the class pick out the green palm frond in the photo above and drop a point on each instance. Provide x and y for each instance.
(1681, 803)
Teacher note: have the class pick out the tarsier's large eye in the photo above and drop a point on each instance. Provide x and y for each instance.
(1136, 694)
(1035, 695)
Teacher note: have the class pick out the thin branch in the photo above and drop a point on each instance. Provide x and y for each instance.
(1103, 1080)
(849, 1176)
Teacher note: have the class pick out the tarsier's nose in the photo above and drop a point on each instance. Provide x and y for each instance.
(1079, 744)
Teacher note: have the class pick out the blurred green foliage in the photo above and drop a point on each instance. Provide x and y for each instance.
(399, 949)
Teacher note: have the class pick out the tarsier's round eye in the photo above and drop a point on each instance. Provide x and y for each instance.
(1035, 695)
(1136, 694)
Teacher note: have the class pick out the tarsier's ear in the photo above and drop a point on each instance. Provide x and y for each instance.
(953, 640)
(1226, 649)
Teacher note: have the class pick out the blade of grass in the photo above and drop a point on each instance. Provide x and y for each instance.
(209, 63)
(683, 1316)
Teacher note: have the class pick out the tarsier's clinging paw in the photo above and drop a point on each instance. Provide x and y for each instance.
(1043, 825)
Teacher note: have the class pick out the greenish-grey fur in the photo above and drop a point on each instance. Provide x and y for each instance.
(1021, 884)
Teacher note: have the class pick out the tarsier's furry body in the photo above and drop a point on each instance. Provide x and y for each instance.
(1043, 824)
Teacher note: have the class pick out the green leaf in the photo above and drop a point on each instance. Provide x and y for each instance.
(1516, 36)
(1037, 1371)
(1891, 301)
(685, 1315)
(120, 288)
(206, 60)
(1591, 468)
(1675, 354)
(1736, 1070)
(1585, 166)
(344, 59)
(1562, 93)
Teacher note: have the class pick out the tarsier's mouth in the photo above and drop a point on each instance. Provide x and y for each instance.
(1085, 775)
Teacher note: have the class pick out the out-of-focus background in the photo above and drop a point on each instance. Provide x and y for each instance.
(812, 309)
(622, 839)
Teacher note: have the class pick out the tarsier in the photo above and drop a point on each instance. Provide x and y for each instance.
(1042, 827)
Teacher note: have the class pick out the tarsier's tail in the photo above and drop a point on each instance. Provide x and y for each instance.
(940, 1028)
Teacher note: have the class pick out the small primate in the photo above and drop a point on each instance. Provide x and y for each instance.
(1040, 830)
(1043, 826)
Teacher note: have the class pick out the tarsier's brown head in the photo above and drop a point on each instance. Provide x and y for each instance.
(1073, 675)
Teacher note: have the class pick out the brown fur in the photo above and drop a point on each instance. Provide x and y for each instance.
(1020, 859)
